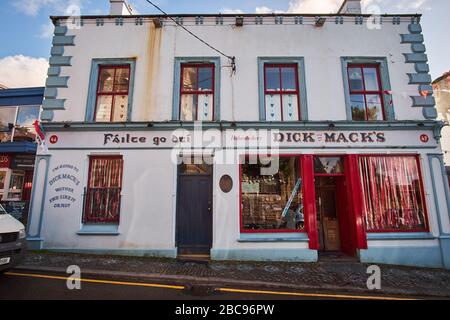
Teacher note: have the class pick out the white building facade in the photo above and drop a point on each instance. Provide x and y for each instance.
(338, 106)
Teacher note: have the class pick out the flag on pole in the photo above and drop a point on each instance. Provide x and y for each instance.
(40, 135)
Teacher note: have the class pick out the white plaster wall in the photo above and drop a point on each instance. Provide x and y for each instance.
(155, 52)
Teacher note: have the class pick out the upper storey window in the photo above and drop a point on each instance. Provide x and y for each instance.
(112, 94)
(197, 92)
(281, 92)
(366, 94)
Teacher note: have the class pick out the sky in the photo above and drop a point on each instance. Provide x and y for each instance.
(26, 31)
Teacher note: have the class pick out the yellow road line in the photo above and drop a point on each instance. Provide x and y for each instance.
(137, 284)
(317, 295)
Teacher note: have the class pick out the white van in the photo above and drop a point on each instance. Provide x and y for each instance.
(12, 241)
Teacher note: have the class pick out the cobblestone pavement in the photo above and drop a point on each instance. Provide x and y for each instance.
(343, 275)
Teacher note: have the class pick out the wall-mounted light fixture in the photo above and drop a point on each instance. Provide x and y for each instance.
(239, 21)
(320, 21)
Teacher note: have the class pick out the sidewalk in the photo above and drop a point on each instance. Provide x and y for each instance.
(349, 276)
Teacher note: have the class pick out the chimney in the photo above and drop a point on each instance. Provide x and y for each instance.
(120, 8)
(351, 7)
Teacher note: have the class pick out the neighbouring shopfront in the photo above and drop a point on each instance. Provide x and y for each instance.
(137, 192)
(19, 108)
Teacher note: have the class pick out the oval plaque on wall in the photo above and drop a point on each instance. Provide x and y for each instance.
(226, 183)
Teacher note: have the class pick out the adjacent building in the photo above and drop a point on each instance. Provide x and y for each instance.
(19, 109)
(288, 137)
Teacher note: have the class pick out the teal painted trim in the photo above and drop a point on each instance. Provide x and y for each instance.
(426, 87)
(445, 248)
(400, 236)
(415, 28)
(422, 67)
(35, 243)
(430, 113)
(53, 104)
(54, 71)
(99, 230)
(39, 215)
(224, 125)
(419, 101)
(47, 115)
(61, 31)
(418, 48)
(57, 51)
(299, 255)
(273, 237)
(50, 93)
(419, 78)
(63, 61)
(177, 78)
(63, 40)
(300, 61)
(162, 253)
(93, 81)
(385, 83)
(415, 57)
(57, 82)
(425, 256)
(412, 38)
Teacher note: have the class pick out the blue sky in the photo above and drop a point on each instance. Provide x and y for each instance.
(26, 30)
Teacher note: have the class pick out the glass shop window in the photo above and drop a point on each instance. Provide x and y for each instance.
(366, 93)
(16, 123)
(328, 165)
(281, 92)
(16, 185)
(103, 193)
(272, 203)
(112, 94)
(197, 92)
(393, 194)
(2, 183)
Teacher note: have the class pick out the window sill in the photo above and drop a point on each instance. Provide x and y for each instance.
(273, 237)
(99, 230)
(400, 236)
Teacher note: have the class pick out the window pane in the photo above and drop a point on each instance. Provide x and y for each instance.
(356, 80)
(120, 108)
(24, 126)
(288, 76)
(358, 107)
(205, 79)
(273, 107)
(205, 107)
(272, 202)
(16, 182)
(328, 165)
(189, 79)
(122, 80)
(106, 80)
(188, 106)
(7, 121)
(104, 107)
(290, 107)
(392, 194)
(2, 180)
(371, 79)
(273, 79)
(374, 108)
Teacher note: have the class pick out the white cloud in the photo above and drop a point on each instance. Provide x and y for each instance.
(47, 30)
(231, 11)
(22, 71)
(264, 10)
(399, 6)
(32, 7)
(314, 6)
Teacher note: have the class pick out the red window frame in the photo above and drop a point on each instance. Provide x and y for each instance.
(112, 93)
(422, 194)
(282, 92)
(198, 66)
(241, 222)
(365, 92)
(88, 211)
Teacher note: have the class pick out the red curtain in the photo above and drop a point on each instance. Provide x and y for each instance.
(392, 193)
